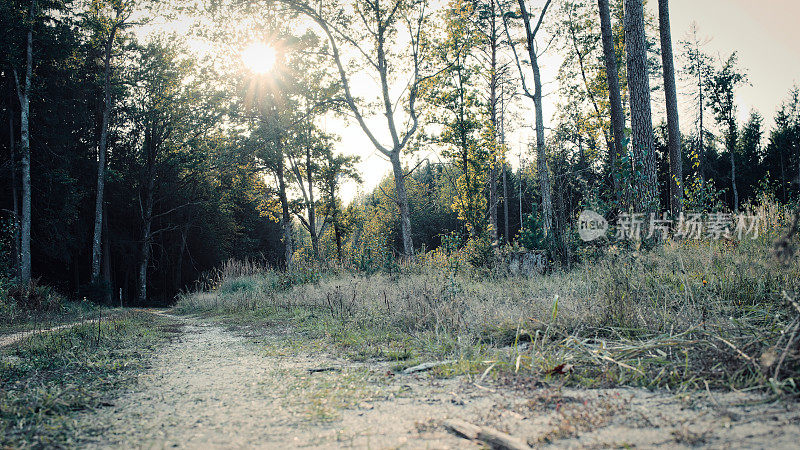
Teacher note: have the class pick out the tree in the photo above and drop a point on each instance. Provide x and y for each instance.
(614, 96)
(782, 154)
(333, 170)
(673, 127)
(644, 160)
(368, 28)
(169, 114)
(531, 30)
(490, 32)
(311, 148)
(721, 99)
(698, 69)
(24, 94)
(107, 25)
(456, 113)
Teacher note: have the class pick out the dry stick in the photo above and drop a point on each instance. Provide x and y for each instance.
(494, 438)
(785, 349)
(426, 366)
(741, 353)
(791, 338)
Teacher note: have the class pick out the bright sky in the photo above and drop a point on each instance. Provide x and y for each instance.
(766, 35)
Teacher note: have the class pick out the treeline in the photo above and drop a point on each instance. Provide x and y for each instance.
(134, 164)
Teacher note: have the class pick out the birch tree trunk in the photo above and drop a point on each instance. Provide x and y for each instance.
(25, 153)
(101, 160)
(402, 203)
(542, 169)
(673, 128)
(645, 181)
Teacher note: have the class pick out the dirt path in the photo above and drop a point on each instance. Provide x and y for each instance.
(215, 388)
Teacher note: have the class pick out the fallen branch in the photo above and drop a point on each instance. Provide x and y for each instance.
(324, 369)
(426, 366)
(495, 439)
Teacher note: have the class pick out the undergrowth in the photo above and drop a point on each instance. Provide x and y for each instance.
(679, 315)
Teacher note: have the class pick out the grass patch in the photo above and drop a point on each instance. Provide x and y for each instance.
(48, 377)
(682, 315)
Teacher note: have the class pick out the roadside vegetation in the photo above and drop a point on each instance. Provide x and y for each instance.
(677, 315)
(47, 378)
(39, 307)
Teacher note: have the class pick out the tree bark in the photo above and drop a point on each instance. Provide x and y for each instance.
(286, 219)
(505, 178)
(312, 213)
(493, 200)
(101, 159)
(732, 138)
(645, 180)
(25, 152)
(106, 267)
(673, 128)
(147, 216)
(614, 97)
(14, 194)
(178, 281)
(543, 171)
(402, 203)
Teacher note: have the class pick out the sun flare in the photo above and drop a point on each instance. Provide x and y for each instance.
(259, 57)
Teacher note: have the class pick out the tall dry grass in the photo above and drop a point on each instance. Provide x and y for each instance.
(679, 314)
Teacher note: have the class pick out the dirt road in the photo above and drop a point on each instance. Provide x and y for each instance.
(211, 387)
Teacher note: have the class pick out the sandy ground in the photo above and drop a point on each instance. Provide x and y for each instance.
(214, 388)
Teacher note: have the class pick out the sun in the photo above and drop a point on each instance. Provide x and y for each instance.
(259, 57)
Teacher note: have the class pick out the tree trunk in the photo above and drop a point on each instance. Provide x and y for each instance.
(14, 193)
(146, 227)
(25, 153)
(614, 97)
(673, 128)
(335, 218)
(179, 263)
(543, 172)
(732, 138)
(101, 159)
(402, 203)
(645, 181)
(541, 153)
(286, 219)
(106, 268)
(493, 200)
(702, 151)
(505, 178)
(312, 213)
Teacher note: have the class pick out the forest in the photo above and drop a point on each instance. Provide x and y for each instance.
(135, 162)
(399, 223)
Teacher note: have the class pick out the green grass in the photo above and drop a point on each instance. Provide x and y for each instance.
(46, 379)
